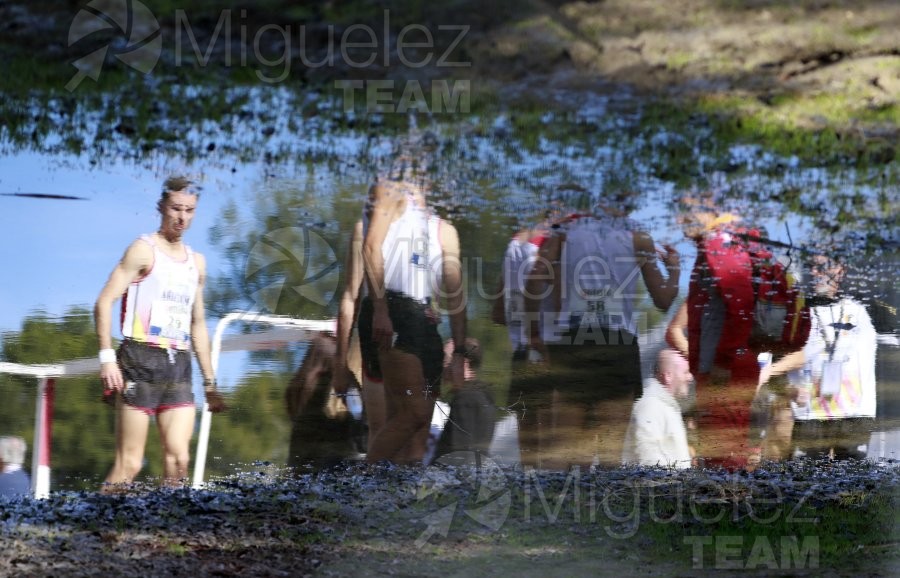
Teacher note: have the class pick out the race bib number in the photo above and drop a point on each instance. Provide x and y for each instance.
(591, 311)
(595, 306)
(170, 319)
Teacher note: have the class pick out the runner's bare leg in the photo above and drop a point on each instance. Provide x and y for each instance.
(176, 426)
(132, 426)
(408, 408)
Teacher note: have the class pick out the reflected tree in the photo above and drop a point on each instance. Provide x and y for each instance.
(255, 429)
(284, 256)
(82, 440)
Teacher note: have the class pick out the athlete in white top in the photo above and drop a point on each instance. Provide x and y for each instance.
(598, 260)
(161, 282)
(407, 259)
(509, 303)
(156, 308)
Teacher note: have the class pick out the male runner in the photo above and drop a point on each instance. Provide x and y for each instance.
(160, 281)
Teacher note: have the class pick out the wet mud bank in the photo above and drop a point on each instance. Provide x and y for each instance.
(816, 79)
(808, 517)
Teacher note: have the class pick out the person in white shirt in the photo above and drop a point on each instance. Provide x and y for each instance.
(834, 404)
(14, 481)
(656, 435)
(576, 401)
(409, 256)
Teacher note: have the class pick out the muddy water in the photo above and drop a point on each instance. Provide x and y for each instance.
(280, 200)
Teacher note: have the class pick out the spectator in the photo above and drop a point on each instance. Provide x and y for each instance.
(323, 432)
(834, 403)
(509, 306)
(13, 479)
(470, 426)
(656, 434)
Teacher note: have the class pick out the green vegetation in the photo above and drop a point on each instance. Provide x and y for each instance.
(784, 127)
(80, 455)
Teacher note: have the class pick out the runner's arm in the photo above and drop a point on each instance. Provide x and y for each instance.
(498, 307)
(675, 332)
(387, 202)
(545, 272)
(790, 362)
(353, 278)
(662, 291)
(454, 293)
(138, 259)
(200, 341)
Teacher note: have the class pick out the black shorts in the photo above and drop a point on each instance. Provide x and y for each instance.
(584, 373)
(415, 326)
(156, 379)
(577, 409)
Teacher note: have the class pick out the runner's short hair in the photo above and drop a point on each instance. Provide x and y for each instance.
(176, 184)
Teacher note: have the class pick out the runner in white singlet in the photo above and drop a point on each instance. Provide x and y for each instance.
(409, 258)
(160, 281)
(576, 411)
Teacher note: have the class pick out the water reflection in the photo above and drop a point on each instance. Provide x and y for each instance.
(324, 431)
(741, 302)
(471, 413)
(491, 179)
(750, 329)
(656, 433)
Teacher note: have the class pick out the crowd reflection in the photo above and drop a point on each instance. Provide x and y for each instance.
(766, 357)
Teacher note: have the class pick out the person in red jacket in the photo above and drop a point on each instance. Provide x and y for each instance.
(740, 302)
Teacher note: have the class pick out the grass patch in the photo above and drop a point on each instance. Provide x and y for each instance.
(798, 518)
(814, 130)
(820, 129)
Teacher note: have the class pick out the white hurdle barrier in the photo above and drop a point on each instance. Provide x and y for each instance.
(43, 419)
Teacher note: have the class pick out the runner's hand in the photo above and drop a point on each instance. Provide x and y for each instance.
(215, 401)
(458, 372)
(669, 256)
(339, 379)
(382, 329)
(111, 376)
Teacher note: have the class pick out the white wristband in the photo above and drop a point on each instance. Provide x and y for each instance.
(107, 356)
